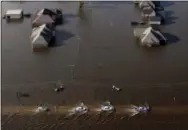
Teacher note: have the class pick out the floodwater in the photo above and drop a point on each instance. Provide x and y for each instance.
(101, 37)
(95, 49)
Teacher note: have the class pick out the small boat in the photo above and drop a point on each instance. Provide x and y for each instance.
(107, 107)
(41, 109)
(143, 109)
(79, 109)
(116, 88)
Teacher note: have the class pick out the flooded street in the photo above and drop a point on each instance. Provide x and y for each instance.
(95, 48)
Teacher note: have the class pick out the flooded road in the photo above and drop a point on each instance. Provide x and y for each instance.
(95, 49)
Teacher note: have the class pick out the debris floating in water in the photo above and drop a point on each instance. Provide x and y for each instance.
(56, 89)
(115, 88)
(59, 87)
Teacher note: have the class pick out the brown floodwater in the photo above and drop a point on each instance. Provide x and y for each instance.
(101, 37)
(95, 49)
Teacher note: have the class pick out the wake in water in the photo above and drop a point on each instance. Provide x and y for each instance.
(79, 109)
(131, 111)
(135, 110)
(107, 107)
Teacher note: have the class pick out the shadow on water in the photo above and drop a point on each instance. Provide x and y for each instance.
(85, 15)
(171, 38)
(166, 3)
(61, 37)
(82, 14)
(101, 6)
(113, 2)
(106, 4)
(19, 21)
(169, 13)
(67, 17)
(169, 18)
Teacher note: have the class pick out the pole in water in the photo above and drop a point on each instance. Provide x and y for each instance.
(18, 97)
(174, 99)
(72, 70)
(81, 3)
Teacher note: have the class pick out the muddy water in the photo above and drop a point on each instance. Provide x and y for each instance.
(95, 49)
(99, 43)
